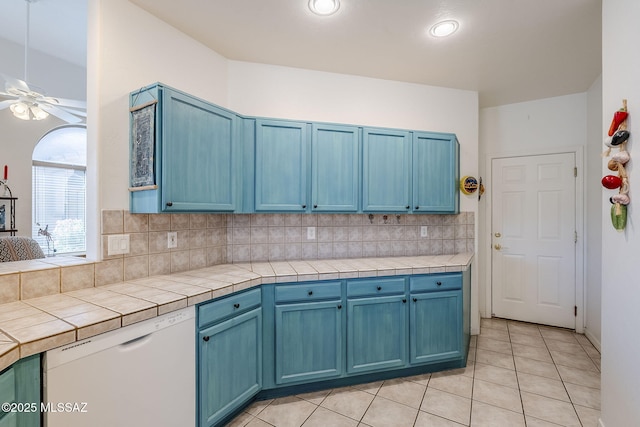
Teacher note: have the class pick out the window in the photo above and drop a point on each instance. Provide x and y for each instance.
(59, 190)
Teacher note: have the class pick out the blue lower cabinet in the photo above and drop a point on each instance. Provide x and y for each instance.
(20, 384)
(435, 326)
(308, 341)
(376, 333)
(230, 365)
(290, 338)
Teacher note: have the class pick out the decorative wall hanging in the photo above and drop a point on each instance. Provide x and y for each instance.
(618, 137)
(468, 185)
(143, 143)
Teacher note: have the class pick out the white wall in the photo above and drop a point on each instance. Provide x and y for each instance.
(593, 202)
(18, 137)
(137, 49)
(532, 127)
(620, 266)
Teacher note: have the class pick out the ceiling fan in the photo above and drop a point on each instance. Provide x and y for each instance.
(28, 104)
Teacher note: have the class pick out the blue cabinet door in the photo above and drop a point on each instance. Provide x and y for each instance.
(386, 166)
(435, 173)
(199, 155)
(230, 365)
(435, 326)
(376, 333)
(309, 341)
(281, 166)
(335, 168)
(20, 383)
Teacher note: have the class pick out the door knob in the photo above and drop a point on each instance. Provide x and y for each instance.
(498, 235)
(497, 246)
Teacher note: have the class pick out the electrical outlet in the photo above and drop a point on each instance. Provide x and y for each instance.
(118, 244)
(423, 231)
(311, 233)
(172, 239)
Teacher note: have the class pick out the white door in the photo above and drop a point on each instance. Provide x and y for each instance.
(533, 239)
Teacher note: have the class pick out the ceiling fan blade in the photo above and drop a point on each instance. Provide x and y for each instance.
(60, 113)
(14, 83)
(6, 104)
(80, 113)
(63, 102)
(8, 95)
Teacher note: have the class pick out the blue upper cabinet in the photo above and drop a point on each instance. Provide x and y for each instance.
(335, 168)
(386, 167)
(281, 166)
(435, 173)
(199, 155)
(208, 159)
(195, 155)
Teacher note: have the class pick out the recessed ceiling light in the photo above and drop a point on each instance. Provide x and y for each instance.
(444, 28)
(324, 7)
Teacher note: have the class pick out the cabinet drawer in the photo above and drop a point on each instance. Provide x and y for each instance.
(311, 291)
(372, 287)
(436, 282)
(225, 307)
(8, 386)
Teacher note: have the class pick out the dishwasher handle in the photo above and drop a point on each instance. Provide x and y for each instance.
(135, 343)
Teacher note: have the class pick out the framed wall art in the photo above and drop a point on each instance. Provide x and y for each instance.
(143, 141)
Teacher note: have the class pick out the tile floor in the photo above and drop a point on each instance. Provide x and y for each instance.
(518, 374)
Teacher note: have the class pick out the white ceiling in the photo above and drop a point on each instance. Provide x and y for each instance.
(507, 50)
(57, 27)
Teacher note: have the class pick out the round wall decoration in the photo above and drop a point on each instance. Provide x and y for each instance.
(468, 185)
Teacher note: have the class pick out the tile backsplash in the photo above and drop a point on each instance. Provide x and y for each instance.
(278, 237)
(210, 239)
(202, 242)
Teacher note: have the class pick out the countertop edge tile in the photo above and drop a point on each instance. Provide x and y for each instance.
(225, 279)
(10, 356)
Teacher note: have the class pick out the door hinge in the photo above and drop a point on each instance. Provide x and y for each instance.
(575, 310)
(575, 237)
(575, 171)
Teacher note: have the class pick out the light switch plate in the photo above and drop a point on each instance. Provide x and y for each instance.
(118, 244)
(311, 233)
(172, 239)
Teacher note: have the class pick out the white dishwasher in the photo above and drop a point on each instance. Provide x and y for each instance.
(139, 375)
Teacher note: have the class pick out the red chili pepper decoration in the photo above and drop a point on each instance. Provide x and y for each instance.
(618, 117)
(611, 182)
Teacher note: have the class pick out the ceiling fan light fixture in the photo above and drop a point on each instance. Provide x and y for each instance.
(20, 110)
(444, 28)
(28, 104)
(38, 113)
(324, 7)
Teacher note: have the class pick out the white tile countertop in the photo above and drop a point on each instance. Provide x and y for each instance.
(36, 320)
